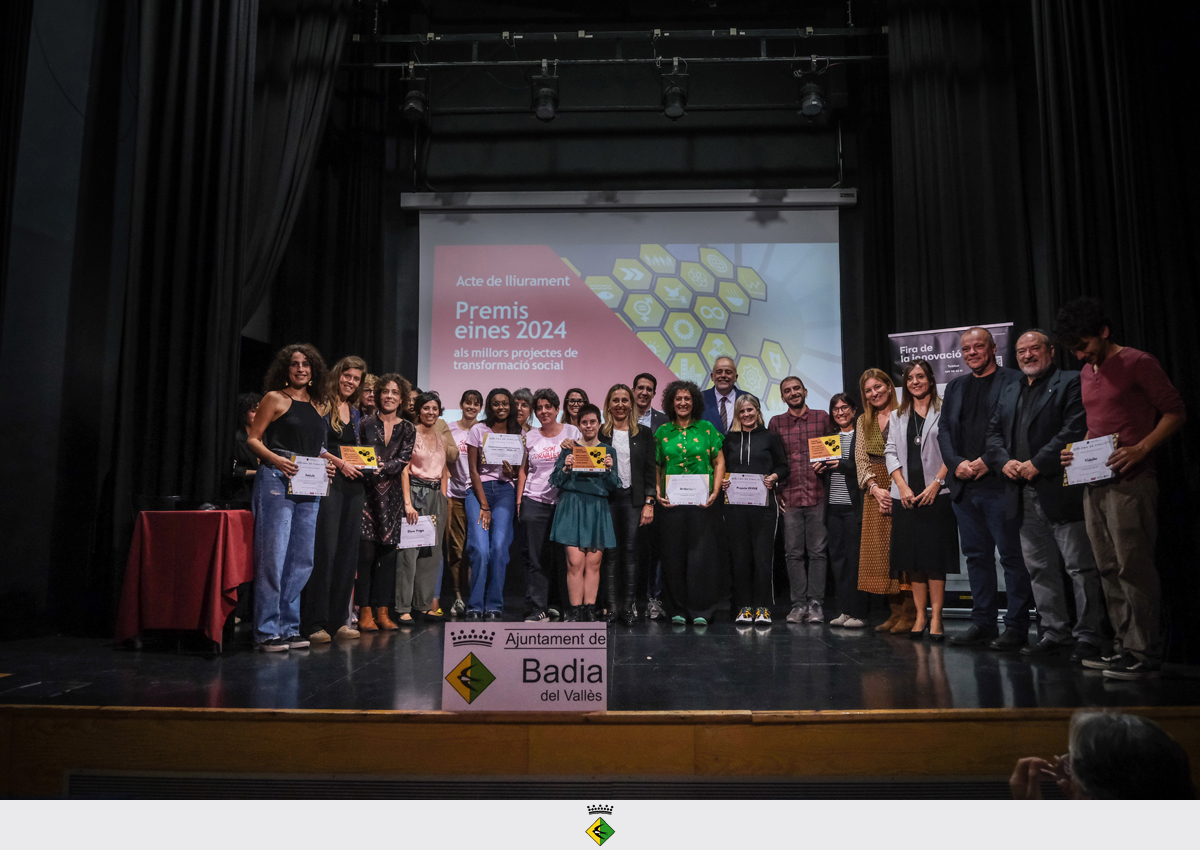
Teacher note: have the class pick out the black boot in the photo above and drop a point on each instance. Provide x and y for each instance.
(572, 615)
(588, 613)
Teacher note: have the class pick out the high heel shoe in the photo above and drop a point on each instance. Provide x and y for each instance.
(939, 637)
(918, 634)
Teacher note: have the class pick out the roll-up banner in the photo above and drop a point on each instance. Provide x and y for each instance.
(942, 348)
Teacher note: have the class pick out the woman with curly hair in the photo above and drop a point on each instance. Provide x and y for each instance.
(288, 424)
(689, 445)
(324, 604)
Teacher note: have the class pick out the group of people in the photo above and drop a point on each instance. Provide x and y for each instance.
(919, 478)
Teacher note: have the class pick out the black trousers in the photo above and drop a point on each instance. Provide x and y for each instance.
(325, 600)
(376, 582)
(845, 535)
(751, 533)
(544, 557)
(620, 567)
(693, 583)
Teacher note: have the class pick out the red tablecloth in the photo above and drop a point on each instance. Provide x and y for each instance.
(183, 571)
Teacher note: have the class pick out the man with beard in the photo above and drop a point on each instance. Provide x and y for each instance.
(979, 497)
(1035, 419)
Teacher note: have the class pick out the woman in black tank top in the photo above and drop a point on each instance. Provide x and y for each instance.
(288, 422)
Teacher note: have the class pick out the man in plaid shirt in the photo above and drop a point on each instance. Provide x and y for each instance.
(802, 501)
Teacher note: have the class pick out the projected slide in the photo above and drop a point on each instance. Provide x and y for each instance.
(579, 310)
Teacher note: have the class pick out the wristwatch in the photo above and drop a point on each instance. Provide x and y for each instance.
(650, 500)
(941, 482)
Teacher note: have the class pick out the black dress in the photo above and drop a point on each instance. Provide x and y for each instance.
(924, 538)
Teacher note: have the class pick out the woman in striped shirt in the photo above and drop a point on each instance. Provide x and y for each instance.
(843, 517)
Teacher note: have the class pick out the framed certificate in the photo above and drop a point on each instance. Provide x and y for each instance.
(1091, 459)
(498, 448)
(746, 489)
(589, 458)
(424, 533)
(311, 479)
(361, 456)
(687, 489)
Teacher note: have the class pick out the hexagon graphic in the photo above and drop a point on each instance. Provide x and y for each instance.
(752, 376)
(711, 312)
(752, 283)
(673, 293)
(657, 343)
(606, 288)
(643, 310)
(683, 330)
(735, 297)
(717, 345)
(774, 399)
(657, 259)
(689, 366)
(775, 360)
(631, 274)
(717, 262)
(697, 277)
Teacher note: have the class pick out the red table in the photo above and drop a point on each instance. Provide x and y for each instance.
(183, 571)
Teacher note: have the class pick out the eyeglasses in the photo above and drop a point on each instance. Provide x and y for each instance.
(574, 402)
(843, 408)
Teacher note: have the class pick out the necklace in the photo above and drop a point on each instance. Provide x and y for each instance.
(920, 426)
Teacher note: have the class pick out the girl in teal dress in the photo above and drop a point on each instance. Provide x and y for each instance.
(583, 522)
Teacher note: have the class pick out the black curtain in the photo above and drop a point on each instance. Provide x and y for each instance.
(16, 17)
(1117, 94)
(299, 44)
(962, 224)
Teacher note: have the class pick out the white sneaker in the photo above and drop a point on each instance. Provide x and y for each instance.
(853, 623)
(839, 620)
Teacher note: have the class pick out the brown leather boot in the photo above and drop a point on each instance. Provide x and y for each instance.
(366, 620)
(385, 622)
(908, 616)
(897, 609)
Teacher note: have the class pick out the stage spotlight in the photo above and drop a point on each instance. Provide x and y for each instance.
(674, 95)
(416, 103)
(545, 98)
(812, 100)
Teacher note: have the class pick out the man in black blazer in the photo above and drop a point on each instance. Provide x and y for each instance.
(726, 390)
(645, 387)
(978, 495)
(1034, 421)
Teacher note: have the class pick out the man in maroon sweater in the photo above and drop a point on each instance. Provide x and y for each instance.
(1126, 393)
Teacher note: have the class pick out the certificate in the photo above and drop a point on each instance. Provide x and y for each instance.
(1091, 457)
(746, 489)
(687, 489)
(821, 449)
(361, 456)
(498, 448)
(310, 479)
(424, 533)
(589, 458)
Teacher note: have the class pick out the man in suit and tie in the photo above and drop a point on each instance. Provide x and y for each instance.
(978, 495)
(720, 398)
(645, 386)
(1035, 419)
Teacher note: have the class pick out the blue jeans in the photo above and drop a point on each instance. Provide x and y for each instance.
(285, 530)
(982, 529)
(489, 549)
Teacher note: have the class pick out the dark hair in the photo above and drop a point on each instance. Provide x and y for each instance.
(334, 391)
(401, 382)
(547, 394)
(906, 403)
(589, 408)
(648, 377)
(673, 389)
(1083, 317)
(566, 414)
(1116, 756)
(244, 404)
(792, 378)
(511, 423)
(424, 399)
(524, 395)
(834, 428)
(276, 377)
(468, 393)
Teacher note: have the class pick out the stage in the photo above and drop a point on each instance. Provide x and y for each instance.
(857, 713)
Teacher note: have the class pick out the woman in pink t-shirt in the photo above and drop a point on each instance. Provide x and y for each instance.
(536, 499)
(424, 481)
(460, 480)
